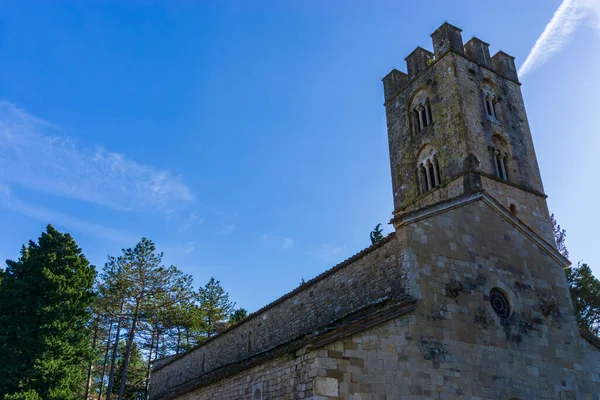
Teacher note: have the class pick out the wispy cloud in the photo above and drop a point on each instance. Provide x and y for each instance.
(288, 243)
(227, 229)
(174, 250)
(327, 250)
(37, 155)
(569, 15)
(60, 220)
(283, 242)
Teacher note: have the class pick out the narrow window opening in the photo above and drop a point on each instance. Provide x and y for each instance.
(429, 174)
(421, 117)
(490, 103)
(416, 120)
(422, 114)
(257, 395)
(422, 178)
(428, 112)
(502, 161)
(250, 342)
(436, 171)
(513, 209)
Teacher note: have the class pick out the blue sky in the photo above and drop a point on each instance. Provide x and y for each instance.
(248, 139)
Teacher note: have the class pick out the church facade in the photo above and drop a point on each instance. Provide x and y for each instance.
(467, 299)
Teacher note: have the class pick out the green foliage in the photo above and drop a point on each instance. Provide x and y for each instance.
(45, 300)
(24, 395)
(137, 286)
(238, 315)
(560, 236)
(376, 234)
(583, 286)
(136, 374)
(585, 292)
(215, 307)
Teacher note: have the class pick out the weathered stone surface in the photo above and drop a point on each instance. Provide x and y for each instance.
(412, 316)
(326, 386)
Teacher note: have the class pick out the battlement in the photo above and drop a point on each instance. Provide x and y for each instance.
(448, 39)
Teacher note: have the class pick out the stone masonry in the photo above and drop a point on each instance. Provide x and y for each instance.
(466, 300)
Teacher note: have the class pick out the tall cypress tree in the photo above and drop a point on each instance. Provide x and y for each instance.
(45, 300)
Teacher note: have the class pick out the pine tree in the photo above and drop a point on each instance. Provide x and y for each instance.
(583, 286)
(560, 236)
(45, 300)
(585, 292)
(215, 307)
(136, 286)
(376, 234)
(238, 315)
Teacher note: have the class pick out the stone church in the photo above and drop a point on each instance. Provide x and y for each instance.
(467, 299)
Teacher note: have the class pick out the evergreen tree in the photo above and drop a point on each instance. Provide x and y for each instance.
(238, 315)
(560, 237)
(45, 300)
(136, 286)
(583, 286)
(585, 292)
(376, 234)
(215, 307)
(135, 387)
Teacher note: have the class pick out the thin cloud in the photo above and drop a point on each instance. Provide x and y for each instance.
(569, 15)
(271, 240)
(288, 243)
(60, 220)
(327, 250)
(37, 155)
(227, 229)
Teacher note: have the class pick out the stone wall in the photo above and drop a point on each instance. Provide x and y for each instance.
(529, 207)
(286, 377)
(370, 276)
(462, 134)
(454, 345)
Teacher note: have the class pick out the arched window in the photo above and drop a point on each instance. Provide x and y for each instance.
(257, 391)
(491, 103)
(250, 342)
(500, 157)
(428, 170)
(421, 111)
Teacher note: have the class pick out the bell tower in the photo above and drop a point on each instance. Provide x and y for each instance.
(457, 125)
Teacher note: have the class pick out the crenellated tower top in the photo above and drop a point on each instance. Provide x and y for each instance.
(457, 124)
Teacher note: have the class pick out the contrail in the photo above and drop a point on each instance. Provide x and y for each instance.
(569, 15)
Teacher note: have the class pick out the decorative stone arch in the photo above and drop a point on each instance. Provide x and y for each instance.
(420, 109)
(428, 169)
(491, 101)
(501, 158)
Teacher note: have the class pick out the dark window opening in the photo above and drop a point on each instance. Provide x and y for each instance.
(422, 115)
(250, 342)
(500, 303)
(500, 161)
(428, 174)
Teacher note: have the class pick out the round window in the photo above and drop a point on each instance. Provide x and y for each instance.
(500, 303)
